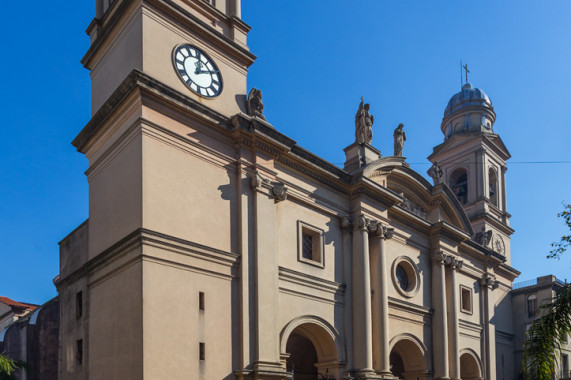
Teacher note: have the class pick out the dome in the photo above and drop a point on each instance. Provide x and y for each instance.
(469, 96)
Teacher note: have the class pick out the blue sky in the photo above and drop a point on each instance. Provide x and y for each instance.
(315, 60)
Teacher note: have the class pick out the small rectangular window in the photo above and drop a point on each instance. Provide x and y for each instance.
(466, 299)
(79, 352)
(310, 244)
(201, 301)
(202, 351)
(79, 304)
(531, 305)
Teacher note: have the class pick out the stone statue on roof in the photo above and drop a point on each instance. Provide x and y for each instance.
(400, 138)
(254, 103)
(363, 124)
(435, 172)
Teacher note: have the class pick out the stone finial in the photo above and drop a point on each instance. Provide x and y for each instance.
(400, 137)
(254, 104)
(435, 172)
(363, 124)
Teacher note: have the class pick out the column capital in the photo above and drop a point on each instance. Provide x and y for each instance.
(448, 260)
(360, 222)
(489, 281)
(438, 258)
(376, 228)
(453, 262)
(346, 223)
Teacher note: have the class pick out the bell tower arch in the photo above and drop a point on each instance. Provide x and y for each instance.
(473, 160)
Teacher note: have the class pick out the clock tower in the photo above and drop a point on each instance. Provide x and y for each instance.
(147, 36)
(473, 160)
(148, 283)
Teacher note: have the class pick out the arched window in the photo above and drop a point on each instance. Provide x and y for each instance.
(493, 187)
(459, 185)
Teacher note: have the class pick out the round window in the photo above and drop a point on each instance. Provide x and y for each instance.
(402, 277)
(405, 276)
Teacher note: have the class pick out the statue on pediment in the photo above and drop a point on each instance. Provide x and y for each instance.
(363, 124)
(435, 172)
(400, 137)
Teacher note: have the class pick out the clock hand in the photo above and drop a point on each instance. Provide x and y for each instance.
(207, 72)
(198, 63)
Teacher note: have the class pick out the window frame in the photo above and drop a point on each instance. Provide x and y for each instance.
(528, 298)
(318, 244)
(470, 310)
(412, 273)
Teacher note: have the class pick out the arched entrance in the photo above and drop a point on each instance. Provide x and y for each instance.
(302, 359)
(470, 368)
(407, 358)
(310, 346)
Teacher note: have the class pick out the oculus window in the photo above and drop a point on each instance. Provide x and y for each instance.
(405, 276)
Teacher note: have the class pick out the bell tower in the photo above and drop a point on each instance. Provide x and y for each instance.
(143, 35)
(473, 160)
(146, 284)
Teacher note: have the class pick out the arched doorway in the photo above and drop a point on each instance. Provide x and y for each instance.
(407, 358)
(302, 359)
(470, 368)
(311, 347)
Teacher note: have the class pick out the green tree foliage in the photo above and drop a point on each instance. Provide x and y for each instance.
(563, 244)
(548, 334)
(8, 368)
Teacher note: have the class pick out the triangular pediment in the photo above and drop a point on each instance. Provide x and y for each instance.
(434, 204)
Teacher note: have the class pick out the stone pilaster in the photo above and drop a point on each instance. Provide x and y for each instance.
(266, 361)
(503, 204)
(362, 324)
(380, 301)
(439, 320)
(487, 284)
(454, 264)
(346, 226)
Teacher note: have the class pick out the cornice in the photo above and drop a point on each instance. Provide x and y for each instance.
(409, 307)
(493, 221)
(446, 229)
(138, 80)
(109, 21)
(141, 237)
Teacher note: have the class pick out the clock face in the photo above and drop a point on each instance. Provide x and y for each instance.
(498, 244)
(197, 70)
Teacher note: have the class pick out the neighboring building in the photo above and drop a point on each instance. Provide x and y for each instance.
(218, 248)
(526, 298)
(33, 338)
(11, 311)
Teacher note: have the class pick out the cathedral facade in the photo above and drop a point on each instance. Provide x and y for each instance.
(218, 248)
